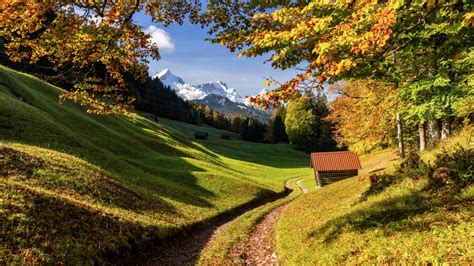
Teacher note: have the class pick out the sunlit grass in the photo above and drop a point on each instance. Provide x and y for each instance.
(224, 249)
(403, 224)
(156, 179)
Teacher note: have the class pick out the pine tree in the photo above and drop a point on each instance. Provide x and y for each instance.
(276, 129)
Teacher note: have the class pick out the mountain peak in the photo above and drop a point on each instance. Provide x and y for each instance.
(169, 78)
(221, 82)
(197, 92)
(164, 72)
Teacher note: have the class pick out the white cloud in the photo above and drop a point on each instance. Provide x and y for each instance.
(161, 38)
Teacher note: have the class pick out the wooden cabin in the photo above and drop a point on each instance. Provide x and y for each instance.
(201, 135)
(331, 167)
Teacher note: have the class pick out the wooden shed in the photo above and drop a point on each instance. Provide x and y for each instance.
(330, 167)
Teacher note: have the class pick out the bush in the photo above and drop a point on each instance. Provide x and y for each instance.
(456, 168)
(378, 183)
(413, 167)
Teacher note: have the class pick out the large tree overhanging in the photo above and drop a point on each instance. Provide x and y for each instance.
(76, 36)
(334, 40)
(327, 40)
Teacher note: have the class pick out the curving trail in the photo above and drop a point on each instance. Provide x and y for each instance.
(260, 248)
(185, 249)
(303, 189)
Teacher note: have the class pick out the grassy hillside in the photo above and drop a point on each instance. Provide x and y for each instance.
(79, 187)
(226, 247)
(406, 222)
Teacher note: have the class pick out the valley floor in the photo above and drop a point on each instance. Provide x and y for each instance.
(84, 189)
(343, 223)
(81, 188)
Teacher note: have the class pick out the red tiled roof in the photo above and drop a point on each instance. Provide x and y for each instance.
(335, 161)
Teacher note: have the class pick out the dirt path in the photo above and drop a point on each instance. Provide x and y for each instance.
(182, 251)
(260, 248)
(185, 249)
(303, 189)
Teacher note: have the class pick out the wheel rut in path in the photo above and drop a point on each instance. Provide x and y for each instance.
(185, 249)
(260, 248)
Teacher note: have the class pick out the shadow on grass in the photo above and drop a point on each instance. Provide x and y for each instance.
(179, 137)
(108, 142)
(59, 223)
(92, 185)
(382, 214)
(184, 247)
(42, 228)
(271, 155)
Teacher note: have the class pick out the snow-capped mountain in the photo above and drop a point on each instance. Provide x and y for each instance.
(169, 78)
(197, 92)
(221, 89)
(216, 94)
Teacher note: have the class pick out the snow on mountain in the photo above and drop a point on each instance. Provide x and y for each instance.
(197, 92)
(169, 78)
(221, 89)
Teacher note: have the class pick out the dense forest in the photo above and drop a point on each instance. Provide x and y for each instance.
(153, 97)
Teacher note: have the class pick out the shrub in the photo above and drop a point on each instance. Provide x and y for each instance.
(456, 168)
(413, 167)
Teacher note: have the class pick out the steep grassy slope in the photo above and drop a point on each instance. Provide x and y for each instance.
(404, 223)
(81, 187)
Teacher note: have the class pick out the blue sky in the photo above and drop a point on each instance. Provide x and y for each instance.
(186, 53)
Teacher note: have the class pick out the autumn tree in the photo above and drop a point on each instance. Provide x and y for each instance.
(417, 46)
(439, 94)
(75, 37)
(333, 40)
(364, 114)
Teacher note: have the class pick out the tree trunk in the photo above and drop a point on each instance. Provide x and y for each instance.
(421, 131)
(445, 128)
(433, 132)
(401, 146)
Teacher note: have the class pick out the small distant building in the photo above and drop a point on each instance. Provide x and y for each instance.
(201, 135)
(330, 167)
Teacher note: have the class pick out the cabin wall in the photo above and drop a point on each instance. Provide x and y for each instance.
(328, 177)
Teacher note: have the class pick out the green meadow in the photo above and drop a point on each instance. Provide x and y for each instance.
(407, 222)
(82, 188)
